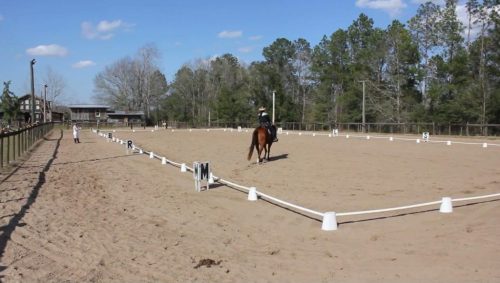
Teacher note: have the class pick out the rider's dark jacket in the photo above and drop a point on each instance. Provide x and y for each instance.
(264, 119)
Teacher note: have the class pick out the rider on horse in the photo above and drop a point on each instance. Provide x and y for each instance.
(265, 122)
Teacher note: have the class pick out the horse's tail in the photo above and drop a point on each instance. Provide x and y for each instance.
(252, 145)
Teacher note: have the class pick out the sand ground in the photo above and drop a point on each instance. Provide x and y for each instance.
(91, 212)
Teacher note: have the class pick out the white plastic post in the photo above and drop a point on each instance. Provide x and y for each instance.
(183, 167)
(314, 134)
(367, 137)
(151, 155)
(346, 136)
(446, 205)
(418, 140)
(448, 143)
(211, 178)
(329, 135)
(252, 194)
(485, 145)
(329, 221)
(133, 131)
(140, 151)
(391, 139)
(300, 134)
(163, 161)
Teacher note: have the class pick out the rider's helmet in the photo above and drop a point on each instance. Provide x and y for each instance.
(262, 109)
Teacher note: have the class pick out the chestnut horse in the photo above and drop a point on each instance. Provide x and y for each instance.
(262, 141)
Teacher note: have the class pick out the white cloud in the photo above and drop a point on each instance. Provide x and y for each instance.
(48, 50)
(104, 29)
(230, 34)
(255, 37)
(439, 2)
(83, 64)
(246, 49)
(105, 26)
(393, 7)
(463, 17)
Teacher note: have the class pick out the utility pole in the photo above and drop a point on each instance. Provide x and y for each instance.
(32, 62)
(363, 108)
(45, 104)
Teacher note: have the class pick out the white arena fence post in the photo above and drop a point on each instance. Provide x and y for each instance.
(446, 205)
(329, 222)
(252, 194)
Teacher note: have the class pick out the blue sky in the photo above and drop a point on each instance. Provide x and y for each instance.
(78, 39)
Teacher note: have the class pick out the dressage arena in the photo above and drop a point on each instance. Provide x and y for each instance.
(98, 212)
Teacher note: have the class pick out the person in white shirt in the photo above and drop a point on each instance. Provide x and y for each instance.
(76, 133)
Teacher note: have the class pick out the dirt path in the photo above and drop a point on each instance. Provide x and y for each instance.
(90, 212)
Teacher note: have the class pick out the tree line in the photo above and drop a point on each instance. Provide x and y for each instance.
(431, 69)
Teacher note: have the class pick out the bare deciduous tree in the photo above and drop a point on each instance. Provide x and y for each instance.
(56, 85)
(130, 83)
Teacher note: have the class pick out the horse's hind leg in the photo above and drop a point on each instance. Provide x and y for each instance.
(268, 151)
(259, 152)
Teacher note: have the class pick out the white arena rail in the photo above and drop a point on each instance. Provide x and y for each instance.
(329, 219)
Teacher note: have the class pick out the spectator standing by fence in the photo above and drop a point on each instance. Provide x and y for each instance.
(76, 133)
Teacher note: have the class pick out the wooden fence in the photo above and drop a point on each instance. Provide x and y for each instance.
(15, 144)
